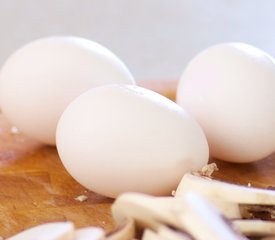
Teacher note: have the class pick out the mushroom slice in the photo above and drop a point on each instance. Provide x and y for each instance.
(255, 228)
(147, 211)
(191, 214)
(227, 197)
(90, 233)
(164, 233)
(203, 221)
(214, 189)
(151, 235)
(125, 231)
(209, 189)
(49, 231)
(172, 234)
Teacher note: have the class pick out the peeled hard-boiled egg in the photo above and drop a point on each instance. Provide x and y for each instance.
(40, 79)
(118, 138)
(230, 90)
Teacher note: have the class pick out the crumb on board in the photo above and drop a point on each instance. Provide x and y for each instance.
(81, 198)
(207, 170)
(249, 184)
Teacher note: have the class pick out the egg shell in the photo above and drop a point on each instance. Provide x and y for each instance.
(40, 79)
(229, 89)
(117, 138)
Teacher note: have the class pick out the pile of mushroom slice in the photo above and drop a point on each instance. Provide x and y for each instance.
(59, 231)
(67, 231)
(200, 209)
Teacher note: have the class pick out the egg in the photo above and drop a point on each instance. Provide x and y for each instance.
(40, 79)
(229, 89)
(118, 138)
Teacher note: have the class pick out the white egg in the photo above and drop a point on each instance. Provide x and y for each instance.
(40, 79)
(119, 138)
(230, 90)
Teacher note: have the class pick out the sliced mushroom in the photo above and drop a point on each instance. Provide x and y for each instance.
(255, 227)
(49, 231)
(214, 189)
(172, 234)
(226, 196)
(151, 235)
(191, 213)
(147, 211)
(203, 221)
(164, 233)
(90, 233)
(125, 231)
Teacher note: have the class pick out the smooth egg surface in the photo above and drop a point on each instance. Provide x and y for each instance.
(40, 79)
(117, 138)
(229, 89)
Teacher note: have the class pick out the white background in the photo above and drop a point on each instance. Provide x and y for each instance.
(155, 38)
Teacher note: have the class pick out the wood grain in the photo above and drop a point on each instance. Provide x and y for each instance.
(35, 188)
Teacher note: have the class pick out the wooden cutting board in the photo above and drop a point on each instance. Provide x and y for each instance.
(35, 188)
